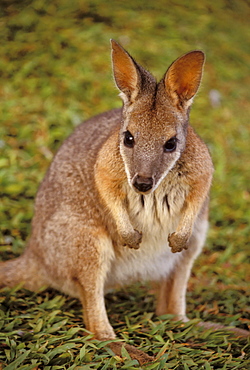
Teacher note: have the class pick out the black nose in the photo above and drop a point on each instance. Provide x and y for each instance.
(143, 184)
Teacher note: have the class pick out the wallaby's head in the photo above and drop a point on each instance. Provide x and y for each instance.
(155, 115)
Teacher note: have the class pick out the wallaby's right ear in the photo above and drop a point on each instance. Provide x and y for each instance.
(126, 74)
(183, 78)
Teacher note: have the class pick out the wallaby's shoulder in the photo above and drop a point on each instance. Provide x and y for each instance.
(92, 133)
(81, 148)
(73, 165)
(196, 155)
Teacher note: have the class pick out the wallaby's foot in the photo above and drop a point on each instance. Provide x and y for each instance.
(134, 353)
(182, 318)
(132, 239)
(177, 242)
(103, 335)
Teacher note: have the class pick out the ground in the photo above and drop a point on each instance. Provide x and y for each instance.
(56, 72)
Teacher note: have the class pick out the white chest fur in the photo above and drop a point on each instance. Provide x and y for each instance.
(156, 215)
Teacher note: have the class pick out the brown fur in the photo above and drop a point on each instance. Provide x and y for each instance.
(108, 214)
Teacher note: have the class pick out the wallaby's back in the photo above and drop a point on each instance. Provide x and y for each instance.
(70, 178)
(69, 184)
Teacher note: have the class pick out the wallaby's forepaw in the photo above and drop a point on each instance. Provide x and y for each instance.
(177, 242)
(132, 240)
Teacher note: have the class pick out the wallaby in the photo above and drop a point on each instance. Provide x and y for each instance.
(125, 198)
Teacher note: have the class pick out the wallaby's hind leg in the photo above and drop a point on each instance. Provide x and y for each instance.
(94, 311)
(172, 290)
(90, 278)
(90, 282)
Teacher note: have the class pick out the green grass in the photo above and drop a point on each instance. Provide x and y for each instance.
(55, 72)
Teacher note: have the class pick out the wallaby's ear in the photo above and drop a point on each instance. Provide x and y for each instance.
(183, 78)
(125, 71)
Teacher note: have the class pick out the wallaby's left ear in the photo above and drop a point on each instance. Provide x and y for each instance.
(183, 78)
(126, 73)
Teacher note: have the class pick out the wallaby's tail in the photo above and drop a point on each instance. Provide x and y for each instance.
(21, 270)
(215, 326)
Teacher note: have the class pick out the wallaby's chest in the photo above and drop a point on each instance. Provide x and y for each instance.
(158, 213)
(156, 216)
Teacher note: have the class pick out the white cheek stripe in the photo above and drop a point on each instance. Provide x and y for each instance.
(166, 172)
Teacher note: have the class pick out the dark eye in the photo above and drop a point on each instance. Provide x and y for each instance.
(170, 145)
(128, 139)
